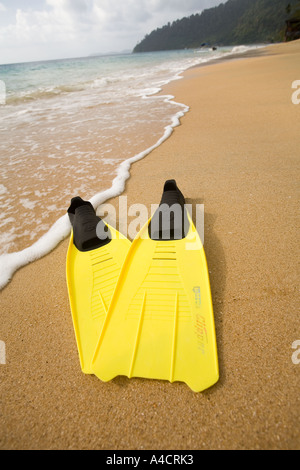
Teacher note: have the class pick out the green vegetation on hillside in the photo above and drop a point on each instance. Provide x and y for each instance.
(293, 9)
(293, 24)
(232, 23)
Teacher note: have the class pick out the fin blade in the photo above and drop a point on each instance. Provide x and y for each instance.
(91, 278)
(174, 343)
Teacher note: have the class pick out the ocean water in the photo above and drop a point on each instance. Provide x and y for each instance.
(73, 127)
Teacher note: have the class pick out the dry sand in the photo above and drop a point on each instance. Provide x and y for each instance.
(237, 152)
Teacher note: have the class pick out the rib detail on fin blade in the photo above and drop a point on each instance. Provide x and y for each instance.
(138, 335)
(173, 358)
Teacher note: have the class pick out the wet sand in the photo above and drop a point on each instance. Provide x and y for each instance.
(237, 151)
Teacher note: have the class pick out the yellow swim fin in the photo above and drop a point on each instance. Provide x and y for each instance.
(93, 268)
(160, 322)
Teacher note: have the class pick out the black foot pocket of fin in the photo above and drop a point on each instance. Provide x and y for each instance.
(170, 221)
(89, 231)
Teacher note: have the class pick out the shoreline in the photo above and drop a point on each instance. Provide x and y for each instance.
(259, 51)
(236, 152)
(60, 229)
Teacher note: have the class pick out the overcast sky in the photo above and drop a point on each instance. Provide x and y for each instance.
(51, 29)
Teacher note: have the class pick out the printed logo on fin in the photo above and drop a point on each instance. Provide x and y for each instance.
(201, 333)
(197, 293)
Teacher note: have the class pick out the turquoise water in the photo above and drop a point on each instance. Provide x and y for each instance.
(41, 79)
(68, 125)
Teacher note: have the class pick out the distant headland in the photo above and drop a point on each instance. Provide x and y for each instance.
(232, 23)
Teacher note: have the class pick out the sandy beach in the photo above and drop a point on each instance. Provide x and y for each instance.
(236, 152)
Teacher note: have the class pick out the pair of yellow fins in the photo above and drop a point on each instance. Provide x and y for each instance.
(142, 309)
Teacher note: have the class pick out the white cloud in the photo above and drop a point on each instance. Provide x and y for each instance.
(2, 7)
(62, 28)
(75, 11)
